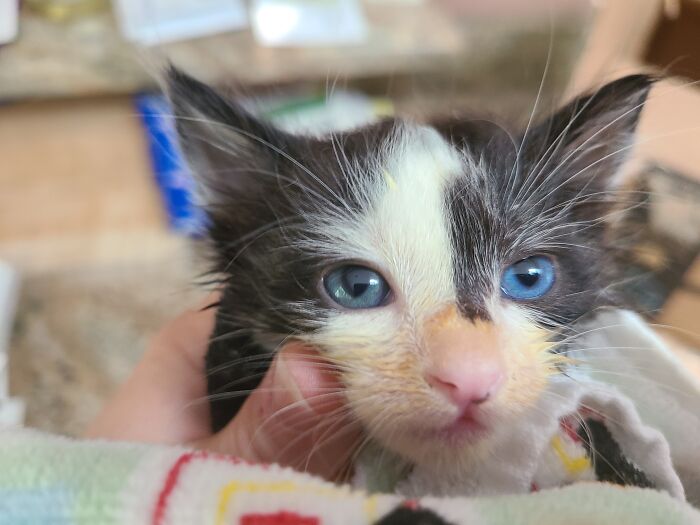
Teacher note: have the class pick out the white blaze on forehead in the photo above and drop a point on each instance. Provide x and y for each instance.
(407, 225)
(403, 229)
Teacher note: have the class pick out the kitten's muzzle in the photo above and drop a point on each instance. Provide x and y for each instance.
(464, 361)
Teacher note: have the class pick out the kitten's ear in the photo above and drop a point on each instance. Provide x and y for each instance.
(588, 140)
(224, 144)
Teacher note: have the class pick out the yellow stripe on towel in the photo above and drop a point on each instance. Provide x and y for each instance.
(230, 490)
(572, 465)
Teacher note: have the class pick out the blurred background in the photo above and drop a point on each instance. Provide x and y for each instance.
(99, 240)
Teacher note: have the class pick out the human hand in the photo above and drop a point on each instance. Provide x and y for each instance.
(296, 417)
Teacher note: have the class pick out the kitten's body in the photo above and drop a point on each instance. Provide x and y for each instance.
(439, 211)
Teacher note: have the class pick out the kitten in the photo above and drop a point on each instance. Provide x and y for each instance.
(439, 266)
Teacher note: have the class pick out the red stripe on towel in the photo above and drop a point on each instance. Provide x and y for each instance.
(279, 518)
(170, 482)
(174, 474)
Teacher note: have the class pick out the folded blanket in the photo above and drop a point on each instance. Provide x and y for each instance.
(621, 350)
(50, 480)
(634, 399)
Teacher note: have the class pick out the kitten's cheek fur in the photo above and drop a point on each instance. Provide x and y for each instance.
(527, 349)
(385, 377)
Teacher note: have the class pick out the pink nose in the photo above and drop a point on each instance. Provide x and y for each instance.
(469, 382)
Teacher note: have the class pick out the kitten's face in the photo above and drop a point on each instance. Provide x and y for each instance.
(436, 266)
(440, 336)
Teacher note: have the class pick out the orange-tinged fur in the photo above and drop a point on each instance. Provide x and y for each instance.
(384, 374)
(450, 336)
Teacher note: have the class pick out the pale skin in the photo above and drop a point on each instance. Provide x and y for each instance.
(296, 417)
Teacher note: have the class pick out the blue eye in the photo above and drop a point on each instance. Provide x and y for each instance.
(528, 279)
(356, 287)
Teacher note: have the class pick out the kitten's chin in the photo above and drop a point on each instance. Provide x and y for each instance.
(467, 429)
(423, 441)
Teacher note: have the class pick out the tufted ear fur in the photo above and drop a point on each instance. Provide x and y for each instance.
(226, 146)
(250, 174)
(580, 148)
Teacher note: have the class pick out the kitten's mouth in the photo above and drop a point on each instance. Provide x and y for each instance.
(467, 427)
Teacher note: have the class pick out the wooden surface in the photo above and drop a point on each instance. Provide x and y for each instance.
(76, 186)
(82, 222)
(670, 127)
(88, 56)
(618, 38)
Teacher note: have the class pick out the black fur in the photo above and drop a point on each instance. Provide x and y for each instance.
(260, 185)
(609, 462)
(261, 199)
(407, 516)
(571, 157)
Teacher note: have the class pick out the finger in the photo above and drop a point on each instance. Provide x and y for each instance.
(297, 417)
(157, 402)
(188, 334)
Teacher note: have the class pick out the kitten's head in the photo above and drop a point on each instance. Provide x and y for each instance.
(436, 266)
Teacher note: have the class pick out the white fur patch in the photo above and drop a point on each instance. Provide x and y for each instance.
(405, 232)
(409, 226)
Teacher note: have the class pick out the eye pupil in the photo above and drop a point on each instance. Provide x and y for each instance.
(359, 280)
(359, 288)
(356, 287)
(528, 279)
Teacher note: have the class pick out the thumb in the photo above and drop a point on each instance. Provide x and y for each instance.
(297, 417)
